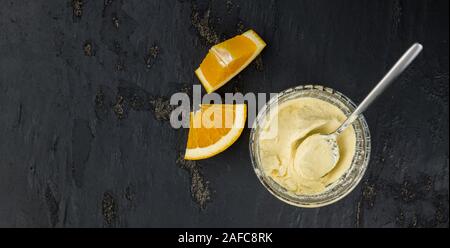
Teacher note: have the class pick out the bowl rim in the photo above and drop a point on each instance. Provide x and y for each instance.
(260, 174)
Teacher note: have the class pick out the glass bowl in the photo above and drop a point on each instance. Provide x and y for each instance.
(347, 182)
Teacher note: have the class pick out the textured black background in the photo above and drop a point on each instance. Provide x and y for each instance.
(84, 136)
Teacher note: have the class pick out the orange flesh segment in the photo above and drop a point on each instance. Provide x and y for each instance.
(203, 136)
(226, 58)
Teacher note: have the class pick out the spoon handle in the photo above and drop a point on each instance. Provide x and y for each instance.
(395, 71)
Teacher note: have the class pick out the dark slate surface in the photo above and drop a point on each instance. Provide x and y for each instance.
(85, 140)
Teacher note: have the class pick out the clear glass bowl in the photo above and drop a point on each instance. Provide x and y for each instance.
(347, 182)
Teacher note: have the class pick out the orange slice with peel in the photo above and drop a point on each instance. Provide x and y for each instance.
(214, 128)
(225, 60)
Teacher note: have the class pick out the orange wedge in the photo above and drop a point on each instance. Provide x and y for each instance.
(214, 128)
(227, 59)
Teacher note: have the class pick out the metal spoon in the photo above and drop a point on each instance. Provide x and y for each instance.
(395, 71)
